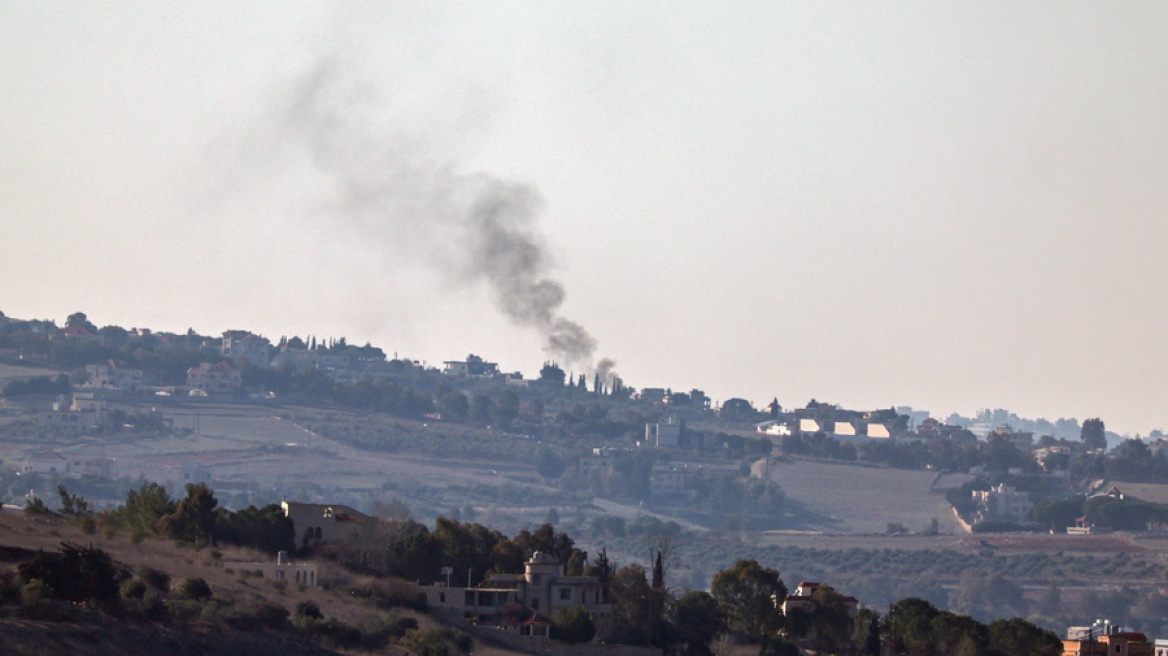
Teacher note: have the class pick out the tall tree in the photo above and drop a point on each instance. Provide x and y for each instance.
(193, 519)
(749, 595)
(1094, 434)
(602, 568)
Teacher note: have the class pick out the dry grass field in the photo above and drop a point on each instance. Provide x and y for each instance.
(859, 499)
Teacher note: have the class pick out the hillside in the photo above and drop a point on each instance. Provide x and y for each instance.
(242, 616)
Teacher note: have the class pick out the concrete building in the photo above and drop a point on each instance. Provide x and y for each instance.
(1106, 639)
(316, 523)
(284, 569)
(472, 366)
(543, 587)
(667, 434)
(1003, 502)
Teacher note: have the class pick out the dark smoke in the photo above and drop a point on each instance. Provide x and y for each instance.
(476, 227)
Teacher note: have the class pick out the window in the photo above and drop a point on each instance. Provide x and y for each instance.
(565, 594)
(534, 604)
(279, 575)
(441, 597)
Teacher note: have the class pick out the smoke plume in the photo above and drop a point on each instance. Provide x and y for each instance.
(475, 228)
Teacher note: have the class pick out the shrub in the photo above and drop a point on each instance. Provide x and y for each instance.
(194, 588)
(308, 608)
(251, 615)
(572, 625)
(137, 535)
(425, 643)
(133, 589)
(156, 579)
(461, 639)
(87, 524)
(331, 631)
(393, 593)
(76, 573)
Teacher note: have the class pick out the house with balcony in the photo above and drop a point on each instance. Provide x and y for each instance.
(543, 587)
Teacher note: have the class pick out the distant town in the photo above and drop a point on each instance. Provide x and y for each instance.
(314, 450)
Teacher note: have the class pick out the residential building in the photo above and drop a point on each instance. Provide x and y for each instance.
(1004, 502)
(301, 573)
(665, 480)
(194, 473)
(89, 465)
(652, 395)
(84, 414)
(78, 331)
(1106, 639)
(215, 378)
(803, 599)
(45, 462)
(242, 345)
(473, 366)
(115, 375)
(317, 523)
(1022, 440)
(698, 399)
(300, 360)
(543, 587)
(667, 434)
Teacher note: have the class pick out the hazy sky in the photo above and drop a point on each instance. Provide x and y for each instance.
(946, 205)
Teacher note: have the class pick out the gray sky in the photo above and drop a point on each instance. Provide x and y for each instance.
(945, 205)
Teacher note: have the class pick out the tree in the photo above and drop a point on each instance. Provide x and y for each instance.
(549, 464)
(193, 519)
(909, 626)
(145, 506)
(481, 407)
(737, 409)
(80, 319)
(453, 406)
(266, 529)
(1094, 434)
(507, 409)
(697, 620)
(1017, 636)
(830, 617)
(551, 373)
(747, 594)
(602, 568)
(72, 505)
(866, 632)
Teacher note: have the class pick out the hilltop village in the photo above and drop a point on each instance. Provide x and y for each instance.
(325, 457)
